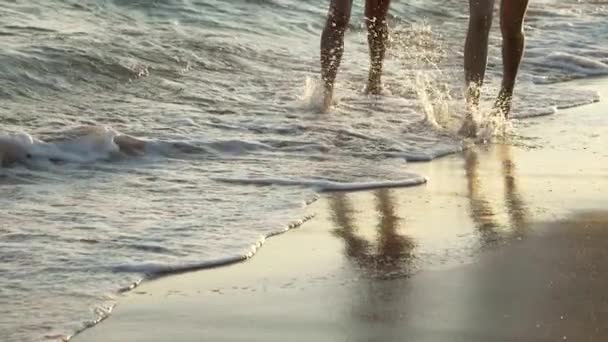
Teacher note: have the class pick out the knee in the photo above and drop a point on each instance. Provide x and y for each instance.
(338, 19)
(512, 30)
(480, 22)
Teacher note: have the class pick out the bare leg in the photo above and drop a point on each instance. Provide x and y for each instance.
(476, 47)
(377, 36)
(332, 45)
(476, 58)
(512, 14)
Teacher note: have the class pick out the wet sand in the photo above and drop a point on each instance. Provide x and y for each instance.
(504, 243)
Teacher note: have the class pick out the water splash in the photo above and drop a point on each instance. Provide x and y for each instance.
(311, 98)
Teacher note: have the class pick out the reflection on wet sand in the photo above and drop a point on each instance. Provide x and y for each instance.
(481, 211)
(516, 207)
(376, 263)
(392, 252)
(547, 286)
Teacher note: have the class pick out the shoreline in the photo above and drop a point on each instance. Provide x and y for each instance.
(483, 201)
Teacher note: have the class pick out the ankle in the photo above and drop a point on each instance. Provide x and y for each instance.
(374, 84)
(503, 104)
(473, 94)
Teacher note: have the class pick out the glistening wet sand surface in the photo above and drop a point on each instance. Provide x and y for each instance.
(545, 287)
(505, 243)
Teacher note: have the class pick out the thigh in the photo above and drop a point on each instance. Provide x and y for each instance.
(513, 12)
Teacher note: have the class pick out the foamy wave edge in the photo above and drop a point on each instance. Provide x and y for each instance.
(322, 185)
(155, 271)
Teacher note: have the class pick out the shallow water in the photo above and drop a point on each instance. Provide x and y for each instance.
(224, 95)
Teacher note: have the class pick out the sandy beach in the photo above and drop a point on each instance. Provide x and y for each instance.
(506, 242)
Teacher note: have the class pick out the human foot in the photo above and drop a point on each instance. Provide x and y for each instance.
(374, 84)
(468, 128)
(327, 100)
(502, 106)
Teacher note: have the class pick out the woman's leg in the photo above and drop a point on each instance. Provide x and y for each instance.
(476, 47)
(332, 45)
(512, 14)
(377, 37)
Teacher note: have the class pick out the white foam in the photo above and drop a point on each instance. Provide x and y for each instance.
(323, 185)
(158, 269)
(437, 152)
(493, 124)
(434, 100)
(236, 146)
(312, 94)
(82, 144)
(153, 270)
(568, 66)
(14, 147)
(311, 98)
(87, 144)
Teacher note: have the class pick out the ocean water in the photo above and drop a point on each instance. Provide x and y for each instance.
(224, 94)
